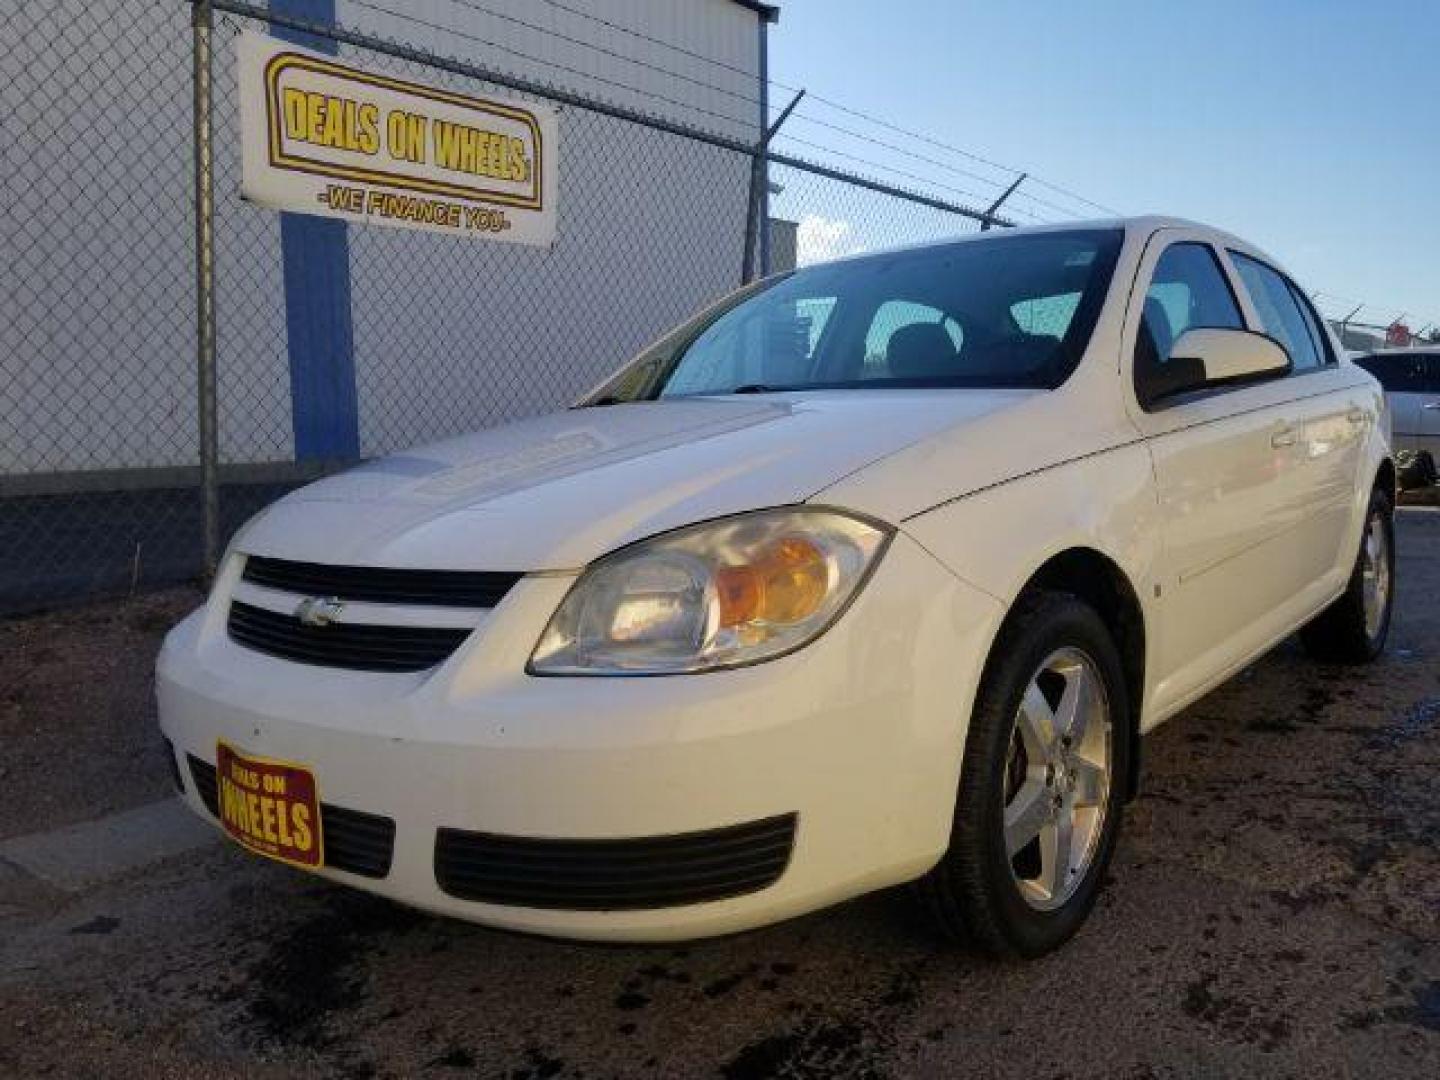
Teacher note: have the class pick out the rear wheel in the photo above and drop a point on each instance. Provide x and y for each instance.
(1353, 629)
(1041, 784)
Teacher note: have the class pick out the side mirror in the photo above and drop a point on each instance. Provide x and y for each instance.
(1202, 358)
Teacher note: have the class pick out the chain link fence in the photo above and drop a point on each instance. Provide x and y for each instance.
(101, 486)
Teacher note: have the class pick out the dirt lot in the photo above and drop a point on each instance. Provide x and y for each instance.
(1274, 911)
(75, 688)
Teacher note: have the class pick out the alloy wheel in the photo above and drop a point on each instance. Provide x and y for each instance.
(1375, 574)
(1057, 778)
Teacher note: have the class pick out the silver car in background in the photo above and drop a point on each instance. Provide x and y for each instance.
(1411, 380)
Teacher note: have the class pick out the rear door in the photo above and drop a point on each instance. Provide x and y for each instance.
(1333, 409)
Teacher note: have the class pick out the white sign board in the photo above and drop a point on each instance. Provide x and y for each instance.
(322, 137)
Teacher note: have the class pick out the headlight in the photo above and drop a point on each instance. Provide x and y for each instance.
(728, 592)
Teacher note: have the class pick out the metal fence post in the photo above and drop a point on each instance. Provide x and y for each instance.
(1345, 324)
(752, 214)
(759, 178)
(205, 392)
(994, 207)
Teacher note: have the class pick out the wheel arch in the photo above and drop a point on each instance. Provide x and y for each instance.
(1099, 581)
(1386, 478)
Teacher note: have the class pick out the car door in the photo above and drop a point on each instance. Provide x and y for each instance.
(1334, 409)
(1226, 465)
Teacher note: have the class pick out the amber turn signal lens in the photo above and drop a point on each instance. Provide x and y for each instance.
(787, 583)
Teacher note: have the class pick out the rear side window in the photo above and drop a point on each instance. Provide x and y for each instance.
(1046, 316)
(1313, 324)
(1281, 314)
(1187, 290)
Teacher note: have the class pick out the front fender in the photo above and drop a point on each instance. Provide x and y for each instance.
(998, 538)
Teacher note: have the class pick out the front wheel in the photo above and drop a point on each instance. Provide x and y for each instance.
(1041, 785)
(1353, 629)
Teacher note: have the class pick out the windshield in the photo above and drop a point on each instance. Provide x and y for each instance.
(1006, 311)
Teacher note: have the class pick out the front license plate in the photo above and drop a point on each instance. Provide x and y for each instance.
(271, 807)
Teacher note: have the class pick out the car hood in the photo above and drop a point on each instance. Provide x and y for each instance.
(556, 491)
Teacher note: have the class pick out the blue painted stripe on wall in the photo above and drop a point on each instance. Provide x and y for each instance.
(316, 258)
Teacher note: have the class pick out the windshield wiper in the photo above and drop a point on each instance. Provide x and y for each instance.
(755, 388)
(598, 403)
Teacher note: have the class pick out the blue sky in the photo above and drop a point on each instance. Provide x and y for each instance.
(1310, 127)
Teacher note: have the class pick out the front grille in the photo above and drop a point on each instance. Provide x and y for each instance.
(614, 875)
(356, 842)
(433, 588)
(356, 646)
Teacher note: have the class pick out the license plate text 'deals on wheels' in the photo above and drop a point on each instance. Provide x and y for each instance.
(271, 807)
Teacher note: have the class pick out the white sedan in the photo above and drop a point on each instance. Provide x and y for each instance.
(874, 572)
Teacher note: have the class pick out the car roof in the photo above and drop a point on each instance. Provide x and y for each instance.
(1144, 225)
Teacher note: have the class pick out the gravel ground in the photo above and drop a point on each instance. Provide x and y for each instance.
(1274, 911)
(75, 687)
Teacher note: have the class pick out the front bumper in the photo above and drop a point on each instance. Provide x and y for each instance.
(856, 739)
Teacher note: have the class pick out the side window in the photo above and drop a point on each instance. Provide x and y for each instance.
(1280, 313)
(1404, 372)
(1187, 290)
(1429, 373)
(895, 315)
(1395, 375)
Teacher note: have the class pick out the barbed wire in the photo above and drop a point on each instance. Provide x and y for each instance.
(870, 163)
(949, 167)
(405, 16)
(752, 99)
(1351, 309)
(888, 125)
(980, 199)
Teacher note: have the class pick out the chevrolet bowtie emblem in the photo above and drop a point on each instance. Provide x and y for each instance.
(319, 610)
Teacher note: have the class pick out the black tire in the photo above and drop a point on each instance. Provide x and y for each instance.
(973, 893)
(1341, 634)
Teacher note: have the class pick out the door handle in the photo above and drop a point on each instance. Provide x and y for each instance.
(1284, 435)
(1431, 405)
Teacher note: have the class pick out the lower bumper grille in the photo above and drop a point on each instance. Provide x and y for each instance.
(202, 774)
(614, 875)
(356, 842)
(343, 645)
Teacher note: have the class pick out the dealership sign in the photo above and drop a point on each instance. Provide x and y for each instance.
(322, 137)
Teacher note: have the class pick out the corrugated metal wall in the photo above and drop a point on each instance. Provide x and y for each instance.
(96, 312)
